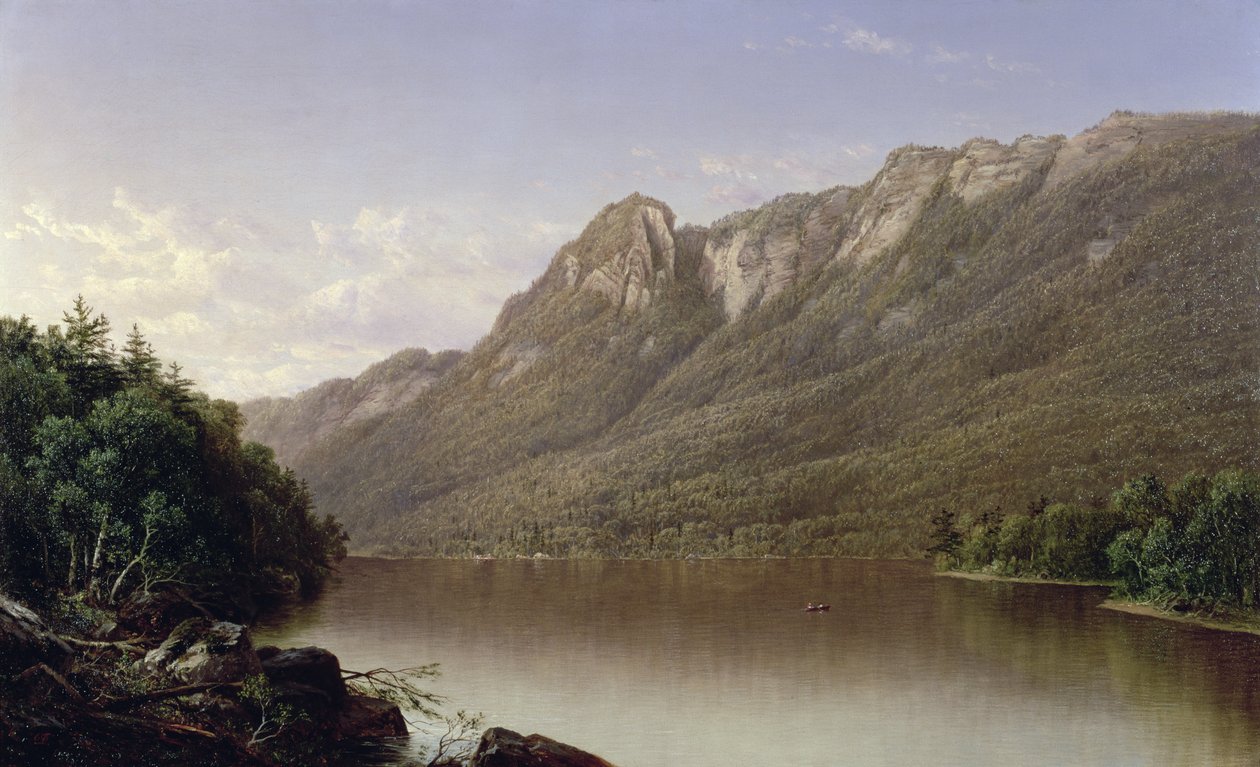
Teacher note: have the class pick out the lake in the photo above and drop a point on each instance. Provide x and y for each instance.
(714, 662)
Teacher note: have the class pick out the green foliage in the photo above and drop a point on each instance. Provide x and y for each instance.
(273, 714)
(115, 479)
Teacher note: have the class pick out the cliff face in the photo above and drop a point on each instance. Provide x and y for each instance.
(973, 327)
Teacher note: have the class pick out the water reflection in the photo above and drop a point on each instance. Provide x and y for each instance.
(715, 663)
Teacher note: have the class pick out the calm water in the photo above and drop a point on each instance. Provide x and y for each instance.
(714, 663)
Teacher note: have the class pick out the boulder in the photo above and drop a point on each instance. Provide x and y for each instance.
(310, 666)
(364, 717)
(26, 641)
(200, 650)
(500, 747)
(155, 613)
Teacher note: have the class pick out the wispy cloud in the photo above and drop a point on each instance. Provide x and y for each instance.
(939, 54)
(644, 152)
(740, 167)
(1015, 67)
(868, 41)
(735, 195)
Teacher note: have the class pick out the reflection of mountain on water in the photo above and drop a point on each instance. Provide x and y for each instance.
(714, 662)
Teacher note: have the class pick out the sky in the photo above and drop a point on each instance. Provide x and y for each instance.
(281, 192)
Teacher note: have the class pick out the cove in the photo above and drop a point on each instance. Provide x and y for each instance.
(714, 662)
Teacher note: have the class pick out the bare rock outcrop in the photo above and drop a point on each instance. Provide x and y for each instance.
(501, 747)
(751, 257)
(200, 650)
(1122, 132)
(987, 166)
(893, 201)
(639, 267)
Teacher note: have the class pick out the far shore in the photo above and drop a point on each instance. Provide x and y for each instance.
(1244, 626)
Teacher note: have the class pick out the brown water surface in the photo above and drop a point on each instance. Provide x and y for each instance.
(710, 663)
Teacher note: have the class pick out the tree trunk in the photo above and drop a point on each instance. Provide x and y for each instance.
(97, 556)
(74, 564)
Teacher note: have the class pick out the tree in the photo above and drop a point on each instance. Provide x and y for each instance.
(945, 536)
(140, 366)
(88, 355)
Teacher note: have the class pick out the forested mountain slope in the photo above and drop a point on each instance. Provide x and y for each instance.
(973, 328)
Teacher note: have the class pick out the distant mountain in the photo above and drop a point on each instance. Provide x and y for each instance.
(291, 424)
(973, 328)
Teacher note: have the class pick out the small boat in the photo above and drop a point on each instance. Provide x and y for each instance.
(813, 608)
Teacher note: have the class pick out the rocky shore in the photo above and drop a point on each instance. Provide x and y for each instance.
(152, 685)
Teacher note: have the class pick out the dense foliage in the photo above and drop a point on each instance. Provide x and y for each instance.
(1043, 339)
(116, 477)
(1197, 541)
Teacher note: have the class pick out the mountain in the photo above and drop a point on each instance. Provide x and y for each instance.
(973, 328)
(290, 424)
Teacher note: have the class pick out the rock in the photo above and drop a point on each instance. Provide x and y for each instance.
(200, 650)
(156, 613)
(364, 717)
(26, 641)
(310, 666)
(501, 747)
(893, 202)
(1122, 132)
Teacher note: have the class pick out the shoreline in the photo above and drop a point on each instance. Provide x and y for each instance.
(1149, 611)
(991, 578)
(1251, 626)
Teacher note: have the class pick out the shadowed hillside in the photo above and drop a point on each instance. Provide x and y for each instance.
(973, 328)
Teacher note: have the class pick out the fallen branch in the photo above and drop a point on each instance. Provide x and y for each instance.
(58, 679)
(122, 704)
(96, 644)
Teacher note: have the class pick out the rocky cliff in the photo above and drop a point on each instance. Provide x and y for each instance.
(973, 327)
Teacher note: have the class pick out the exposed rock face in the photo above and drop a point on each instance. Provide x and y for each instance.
(25, 641)
(987, 166)
(751, 257)
(1122, 132)
(893, 201)
(501, 747)
(199, 650)
(631, 276)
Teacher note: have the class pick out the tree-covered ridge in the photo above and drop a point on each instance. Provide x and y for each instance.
(1196, 543)
(1039, 340)
(117, 476)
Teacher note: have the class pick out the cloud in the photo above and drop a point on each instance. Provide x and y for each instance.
(751, 46)
(740, 167)
(797, 42)
(867, 41)
(1014, 67)
(941, 55)
(640, 151)
(735, 195)
(251, 310)
(669, 174)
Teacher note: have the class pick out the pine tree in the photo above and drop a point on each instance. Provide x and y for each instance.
(140, 365)
(89, 362)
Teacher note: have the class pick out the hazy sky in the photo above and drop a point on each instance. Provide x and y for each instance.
(283, 192)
